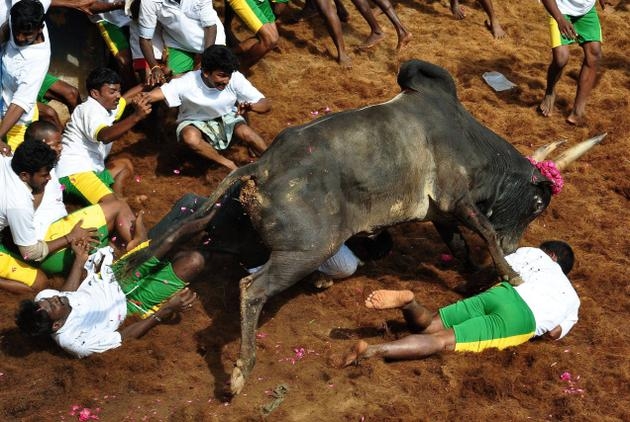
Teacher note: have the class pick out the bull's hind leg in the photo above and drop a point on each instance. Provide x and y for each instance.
(282, 270)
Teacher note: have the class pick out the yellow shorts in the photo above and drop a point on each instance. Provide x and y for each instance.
(89, 186)
(15, 135)
(12, 267)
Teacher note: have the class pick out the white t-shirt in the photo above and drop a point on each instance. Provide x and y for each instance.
(182, 23)
(98, 308)
(82, 151)
(197, 101)
(134, 42)
(116, 17)
(51, 208)
(16, 206)
(546, 290)
(575, 7)
(23, 72)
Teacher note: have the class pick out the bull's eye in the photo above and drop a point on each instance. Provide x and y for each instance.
(539, 205)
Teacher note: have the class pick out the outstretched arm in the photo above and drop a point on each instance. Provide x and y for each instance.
(142, 108)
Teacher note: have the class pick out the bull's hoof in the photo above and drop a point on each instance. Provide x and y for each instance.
(237, 381)
(323, 283)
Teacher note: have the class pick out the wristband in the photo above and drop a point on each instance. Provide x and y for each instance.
(153, 68)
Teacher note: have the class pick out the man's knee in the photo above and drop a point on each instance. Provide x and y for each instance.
(188, 265)
(268, 35)
(191, 137)
(561, 56)
(592, 53)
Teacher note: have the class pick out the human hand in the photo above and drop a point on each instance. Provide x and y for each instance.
(142, 105)
(5, 149)
(90, 235)
(81, 248)
(158, 75)
(84, 6)
(181, 302)
(567, 29)
(243, 108)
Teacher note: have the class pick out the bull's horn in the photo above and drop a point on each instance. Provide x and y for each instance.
(541, 153)
(577, 151)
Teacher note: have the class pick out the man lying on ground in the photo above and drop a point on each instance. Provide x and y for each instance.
(545, 304)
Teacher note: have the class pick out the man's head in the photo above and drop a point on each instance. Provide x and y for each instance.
(43, 130)
(27, 22)
(560, 252)
(31, 319)
(217, 65)
(103, 84)
(32, 162)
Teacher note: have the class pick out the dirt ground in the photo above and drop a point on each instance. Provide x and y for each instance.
(178, 371)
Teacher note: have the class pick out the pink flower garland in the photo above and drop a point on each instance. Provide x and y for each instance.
(549, 169)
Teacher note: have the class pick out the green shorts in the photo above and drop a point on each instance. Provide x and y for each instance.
(49, 81)
(254, 13)
(114, 37)
(497, 318)
(180, 61)
(152, 284)
(587, 27)
(217, 132)
(90, 187)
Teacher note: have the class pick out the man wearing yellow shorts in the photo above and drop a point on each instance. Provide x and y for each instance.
(85, 316)
(544, 304)
(258, 16)
(572, 21)
(31, 206)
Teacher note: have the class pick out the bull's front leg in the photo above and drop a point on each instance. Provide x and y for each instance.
(252, 301)
(470, 215)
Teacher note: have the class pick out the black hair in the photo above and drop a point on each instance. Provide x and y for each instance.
(39, 130)
(219, 57)
(33, 320)
(101, 76)
(32, 155)
(27, 15)
(563, 252)
(371, 248)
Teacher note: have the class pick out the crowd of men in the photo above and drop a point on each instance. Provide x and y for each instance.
(181, 53)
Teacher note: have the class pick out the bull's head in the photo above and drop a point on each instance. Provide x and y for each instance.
(520, 203)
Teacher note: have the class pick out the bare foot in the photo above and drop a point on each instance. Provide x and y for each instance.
(372, 40)
(458, 12)
(355, 353)
(388, 299)
(496, 29)
(403, 40)
(140, 233)
(546, 106)
(574, 119)
(344, 61)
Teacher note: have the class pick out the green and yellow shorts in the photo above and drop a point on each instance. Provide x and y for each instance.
(13, 267)
(497, 318)
(90, 186)
(114, 37)
(254, 13)
(180, 61)
(49, 81)
(151, 284)
(587, 27)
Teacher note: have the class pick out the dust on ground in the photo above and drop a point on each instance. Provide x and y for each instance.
(178, 372)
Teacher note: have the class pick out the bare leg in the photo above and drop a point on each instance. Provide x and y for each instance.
(191, 136)
(41, 282)
(139, 232)
(376, 32)
(119, 218)
(586, 81)
(187, 265)
(251, 138)
(404, 36)
(267, 40)
(334, 29)
(49, 114)
(456, 10)
(415, 346)
(494, 26)
(560, 57)
(416, 315)
(64, 93)
(121, 169)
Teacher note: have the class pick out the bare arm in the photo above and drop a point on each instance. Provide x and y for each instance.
(81, 249)
(11, 117)
(142, 108)
(209, 36)
(553, 334)
(261, 106)
(179, 302)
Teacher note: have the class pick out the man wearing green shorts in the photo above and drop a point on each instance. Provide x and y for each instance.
(544, 304)
(572, 21)
(85, 315)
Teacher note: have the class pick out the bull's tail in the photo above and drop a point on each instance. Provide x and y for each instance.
(125, 268)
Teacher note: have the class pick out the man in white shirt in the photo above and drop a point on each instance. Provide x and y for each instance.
(544, 304)
(572, 21)
(211, 103)
(25, 62)
(188, 28)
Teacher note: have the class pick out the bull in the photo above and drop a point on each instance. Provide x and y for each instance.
(419, 156)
